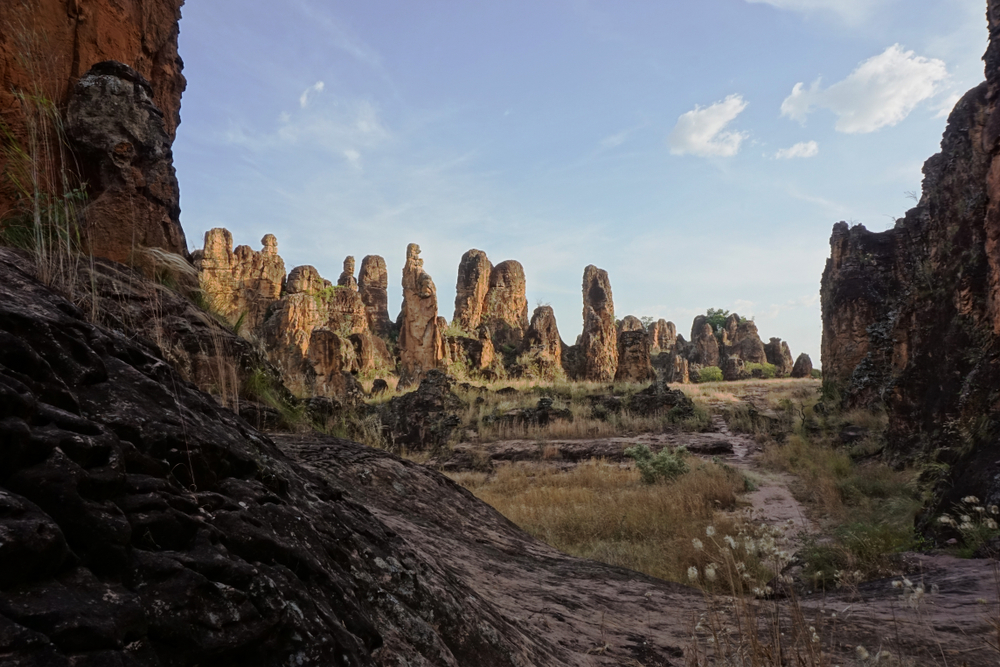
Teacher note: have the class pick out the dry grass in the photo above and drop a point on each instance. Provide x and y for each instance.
(603, 511)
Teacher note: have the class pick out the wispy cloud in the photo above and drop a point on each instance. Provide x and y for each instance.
(800, 150)
(304, 98)
(947, 104)
(702, 131)
(880, 92)
(848, 10)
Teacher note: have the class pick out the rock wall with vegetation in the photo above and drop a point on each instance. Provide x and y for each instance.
(911, 316)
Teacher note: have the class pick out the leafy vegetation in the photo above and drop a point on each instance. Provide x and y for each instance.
(664, 466)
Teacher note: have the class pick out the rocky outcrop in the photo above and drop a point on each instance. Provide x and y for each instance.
(505, 310)
(662, 336)
(778, 354)
(123, 150)
(543, 344)
(803, 367)
(630, 323)
(46, 46)
(704, 347)
(474, 273)
(241, 283)
(741, 340)
(423, 419)
(421, 346)
(373, 286)
(599, 340)
(347, 276)
(633, 357)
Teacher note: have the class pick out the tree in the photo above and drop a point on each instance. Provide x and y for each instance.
(717, 318)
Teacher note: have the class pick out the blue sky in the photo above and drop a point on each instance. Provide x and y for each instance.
(699, 151)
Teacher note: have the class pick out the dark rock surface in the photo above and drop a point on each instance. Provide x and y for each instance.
(145, 525)
(423, 418)
(803, 366)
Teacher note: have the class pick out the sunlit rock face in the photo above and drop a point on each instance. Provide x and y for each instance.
(598, 346)
(421, 345)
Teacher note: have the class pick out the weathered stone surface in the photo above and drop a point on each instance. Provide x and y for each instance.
(473, 284)
(124, 153)
(305, 280)
(778, 354)
(371, 354)
(421, 346)
(373, 286)
(732, 368)
(505, 310)
(425, 418)
(633, 357)
(599, 340)
(241, 283)
(803, 366)
(741, 340)
(630, 323)
(662, 336)
(704, 347)
(543, 343)
(46, 45)
(347, 276)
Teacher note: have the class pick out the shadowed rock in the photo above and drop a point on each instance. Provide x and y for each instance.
(470, 291)
(803, 366)
(630, 323)
(506, 308)
(599, 340)
(778, 354)
(347, 276)
(704, 347)
(633, 357)
(662, 336)
(421, 346)
(373, 286)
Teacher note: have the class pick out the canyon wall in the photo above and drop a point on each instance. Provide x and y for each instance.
(122, 122)
(911, 316)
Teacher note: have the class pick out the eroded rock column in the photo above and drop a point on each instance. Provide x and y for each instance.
(598, 342)
(421, 347)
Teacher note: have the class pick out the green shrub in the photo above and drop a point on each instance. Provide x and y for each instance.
(816, 374)
(710, 374)
(663, 467)
(767, 371)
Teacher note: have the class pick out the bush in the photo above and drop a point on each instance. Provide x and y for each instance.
(663, 467)
(710, 374)
(764, 370)
(816, 374)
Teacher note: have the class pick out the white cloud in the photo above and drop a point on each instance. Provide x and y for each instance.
(849, 10)
(353, 158)
(615, 140)
(880, 92)
(702, 131)
(946, 106)
(801, 149)
(315, 88)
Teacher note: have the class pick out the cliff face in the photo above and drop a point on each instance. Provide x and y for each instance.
(911, 316)
(46, 46)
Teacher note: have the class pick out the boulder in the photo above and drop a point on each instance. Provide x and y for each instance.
(732, 369)
(778, 354)
(598, 342)
(630, 323)
(241, 283)
(803, 366)
(505, 310)
(305, 280)
(373, 286)
(423, 419)
(633, 357)
(658, 399)
(741, 340)
(704, 348)
(474, 272)
(347, 276)
(421, 346)
(123, 148)
(543, 343)
(662, 336)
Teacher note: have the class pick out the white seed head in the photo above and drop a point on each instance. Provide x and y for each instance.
(710, 531)
(693, 573)
(697, 544)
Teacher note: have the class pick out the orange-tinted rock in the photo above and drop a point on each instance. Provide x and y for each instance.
(421, 347)
(241, 283)
(633, 357)
(630, 323)
(803, 367)
(347, 276)
(741, 340)
(778, 354)
(506, 308)
(543, 335)
(473, 284)
(123, 151)
(371, 353)
(662, 335)
(343, 310)
(373, 285)
(332, 358)
(286, 334)
(56, 43)
(704, 347)
(305, 280)
(599, 340)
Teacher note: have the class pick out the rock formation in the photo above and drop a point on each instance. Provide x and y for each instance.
(803, 366)
(778, 354)
(598, 342)
(662, 336)
(505, 310)
(347, 276)
(633, 357)
(543, 342)
(47, 46)
(741, 340)
(123, 148)
(373, 286)
(421, 347)
(474, 273)
(704, 348)
(241, 283)
(630, 323)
